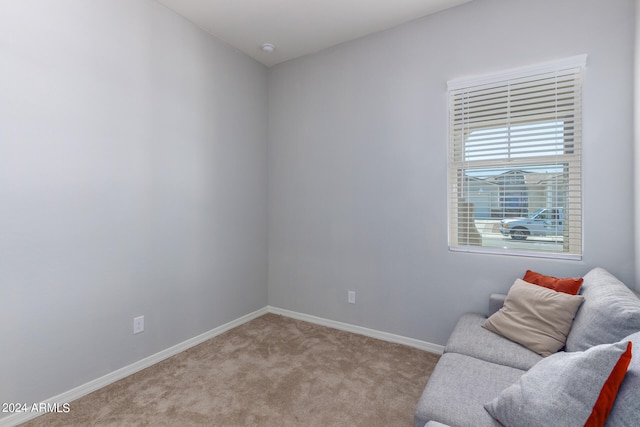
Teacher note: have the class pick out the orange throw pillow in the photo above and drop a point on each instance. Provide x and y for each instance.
(609, 391)
(567, 285)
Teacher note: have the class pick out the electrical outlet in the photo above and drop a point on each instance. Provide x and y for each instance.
(138, 324)
(351, 297)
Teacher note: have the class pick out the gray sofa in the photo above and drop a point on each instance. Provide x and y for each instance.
(477, 365)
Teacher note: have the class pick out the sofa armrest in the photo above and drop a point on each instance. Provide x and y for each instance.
(495, 302)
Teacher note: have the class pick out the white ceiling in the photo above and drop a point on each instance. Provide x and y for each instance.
(299, 27)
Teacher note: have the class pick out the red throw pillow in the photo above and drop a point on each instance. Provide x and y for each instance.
(567, 285)
(609, 391)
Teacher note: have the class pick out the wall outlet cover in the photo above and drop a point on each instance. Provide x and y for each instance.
(351, 297)
(138, 324)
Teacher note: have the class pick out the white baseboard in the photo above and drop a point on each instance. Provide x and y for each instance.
(91, 386)
(385, 336)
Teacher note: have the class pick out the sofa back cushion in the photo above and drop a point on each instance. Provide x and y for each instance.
(610, 312)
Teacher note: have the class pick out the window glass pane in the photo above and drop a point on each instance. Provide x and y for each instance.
(530, 200)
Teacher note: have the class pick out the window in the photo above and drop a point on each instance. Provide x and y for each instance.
(514, 161)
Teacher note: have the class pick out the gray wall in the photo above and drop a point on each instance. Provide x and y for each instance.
(132, 182)
(358, 154)
(636, 122)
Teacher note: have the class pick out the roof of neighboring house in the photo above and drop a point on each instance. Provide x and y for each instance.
(527, 177)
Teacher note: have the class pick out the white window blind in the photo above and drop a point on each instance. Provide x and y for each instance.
(514, 161)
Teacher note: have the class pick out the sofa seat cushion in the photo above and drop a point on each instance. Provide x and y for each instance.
(471, 339)
(459, 387)
(610, 312)
(626, 407)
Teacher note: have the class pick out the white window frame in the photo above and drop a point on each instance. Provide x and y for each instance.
(468, 113)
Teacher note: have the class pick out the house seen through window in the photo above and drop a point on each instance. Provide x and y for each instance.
(514, 162)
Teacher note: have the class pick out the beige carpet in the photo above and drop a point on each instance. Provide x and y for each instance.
(271, 371)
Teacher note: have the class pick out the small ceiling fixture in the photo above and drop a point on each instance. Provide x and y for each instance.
(268, 48)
